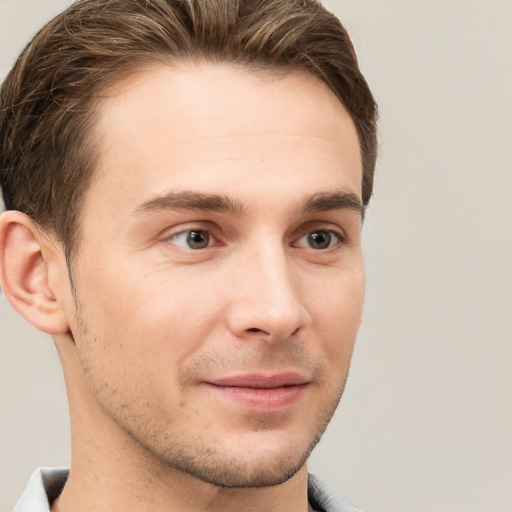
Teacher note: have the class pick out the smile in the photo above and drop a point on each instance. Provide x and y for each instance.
(259, 392)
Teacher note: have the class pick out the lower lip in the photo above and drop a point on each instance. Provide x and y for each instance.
(261, 399)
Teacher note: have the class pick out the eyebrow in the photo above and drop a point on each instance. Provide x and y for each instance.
(191, 201)
(324, 201)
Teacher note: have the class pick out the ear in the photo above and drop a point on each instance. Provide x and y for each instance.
(25, 255)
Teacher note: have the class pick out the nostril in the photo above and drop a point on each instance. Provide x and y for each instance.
(255, 329)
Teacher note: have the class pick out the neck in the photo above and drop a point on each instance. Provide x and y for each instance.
(103, 490)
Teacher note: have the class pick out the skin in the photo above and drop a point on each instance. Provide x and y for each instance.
(267, 173)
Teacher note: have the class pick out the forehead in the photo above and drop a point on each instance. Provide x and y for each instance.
(217, 126)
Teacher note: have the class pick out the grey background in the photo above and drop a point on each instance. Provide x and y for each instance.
(426, 420)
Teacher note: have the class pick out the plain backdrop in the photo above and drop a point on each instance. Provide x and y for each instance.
(426, 420)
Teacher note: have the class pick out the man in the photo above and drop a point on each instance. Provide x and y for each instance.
(185, 182)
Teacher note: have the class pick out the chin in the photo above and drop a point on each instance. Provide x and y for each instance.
(249, 468)
(247, 474)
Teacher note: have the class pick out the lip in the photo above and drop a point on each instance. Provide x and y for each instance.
(259, 392)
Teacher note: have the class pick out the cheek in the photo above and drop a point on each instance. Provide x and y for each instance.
(337, 314)
(156, 320)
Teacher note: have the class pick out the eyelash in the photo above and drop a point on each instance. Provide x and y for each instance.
(189, 233)
(212, 240)
(333, 236)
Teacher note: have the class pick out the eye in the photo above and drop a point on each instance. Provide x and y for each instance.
(319, 240)
(191, 239)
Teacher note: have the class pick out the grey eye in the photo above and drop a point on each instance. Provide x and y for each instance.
(192, 239)
(319, 240)
(198, 239)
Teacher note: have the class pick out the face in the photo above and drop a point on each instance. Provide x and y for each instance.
(219, 282)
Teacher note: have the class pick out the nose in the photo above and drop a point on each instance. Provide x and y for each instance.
(266, 301)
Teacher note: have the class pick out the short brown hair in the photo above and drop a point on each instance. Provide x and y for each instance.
(47, 101)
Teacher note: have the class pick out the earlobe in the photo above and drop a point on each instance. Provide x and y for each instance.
(24, 274)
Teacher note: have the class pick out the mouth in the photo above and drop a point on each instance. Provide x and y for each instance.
(263, 393)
